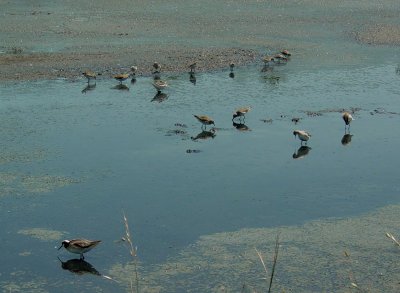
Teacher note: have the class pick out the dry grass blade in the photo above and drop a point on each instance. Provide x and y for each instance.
(132, 250)
(390, 236)
(133, 253)
(274, 262)
(263, 263)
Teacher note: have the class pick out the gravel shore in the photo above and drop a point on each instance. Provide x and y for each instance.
(46, 40)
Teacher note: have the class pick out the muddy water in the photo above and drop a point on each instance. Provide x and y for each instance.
(74, 158)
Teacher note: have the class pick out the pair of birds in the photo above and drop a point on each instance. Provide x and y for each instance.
(284, 55)
(123, 76)
(120, 77)
(304, 136)
(205, 120)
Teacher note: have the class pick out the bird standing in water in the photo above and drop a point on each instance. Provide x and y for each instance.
(241, 112)
(157, 67)
(79, 246)
(347, 118)
(205, 120)
(302, 135)
(89, 75)
(192, 67)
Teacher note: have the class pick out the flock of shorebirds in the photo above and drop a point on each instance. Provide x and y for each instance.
(81, 246)
(269, 60)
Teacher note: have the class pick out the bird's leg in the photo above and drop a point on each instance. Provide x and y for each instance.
(82, 257)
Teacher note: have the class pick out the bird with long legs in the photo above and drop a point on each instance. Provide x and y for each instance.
(347, 118)
(204, 120)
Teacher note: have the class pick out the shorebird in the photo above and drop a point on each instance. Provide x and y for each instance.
(347, 119)
(241, 112)
(160, 85)
(157, 67)
(267, 60)
(279, 58)
(205, 120)
(134, 70)
(89, 75)
(79, 246)
(192, 67)
(122, 76)
(232, 66)
(286, 53)
(303, 135)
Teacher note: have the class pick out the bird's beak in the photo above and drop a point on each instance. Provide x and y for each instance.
(60, 246)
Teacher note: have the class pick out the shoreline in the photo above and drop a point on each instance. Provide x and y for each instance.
(39, 66)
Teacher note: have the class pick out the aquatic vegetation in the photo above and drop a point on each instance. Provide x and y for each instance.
(43, 234)
(47, 183)
(328, 255)
(16, 184)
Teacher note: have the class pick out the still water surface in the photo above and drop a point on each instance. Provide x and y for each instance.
(120, 150)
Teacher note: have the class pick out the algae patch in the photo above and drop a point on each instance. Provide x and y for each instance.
(42, 234)
(18, 184)
(320, 256)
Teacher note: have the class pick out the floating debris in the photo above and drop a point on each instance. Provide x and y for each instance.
(266, 120)
(190, 151)
(180, 125)
(295, 120)
(176, 132)
(313, 114)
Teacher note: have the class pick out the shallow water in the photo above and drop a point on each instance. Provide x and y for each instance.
(72, 161)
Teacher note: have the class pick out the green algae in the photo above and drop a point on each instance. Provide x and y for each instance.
(319, 256)
(42, 234)
(19, 184)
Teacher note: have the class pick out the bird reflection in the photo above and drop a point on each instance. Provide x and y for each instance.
(89, 87)
(79, 267)
(267, 68)
(156, 76)
(272, 79)
(159, 97)
(346, 139)
(301, 152)
(205, 135)
(133, 80)
(192, 78)
(121, 87)
(240, 126)
(232, 75)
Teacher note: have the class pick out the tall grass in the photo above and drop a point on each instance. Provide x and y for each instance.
(134, 285)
